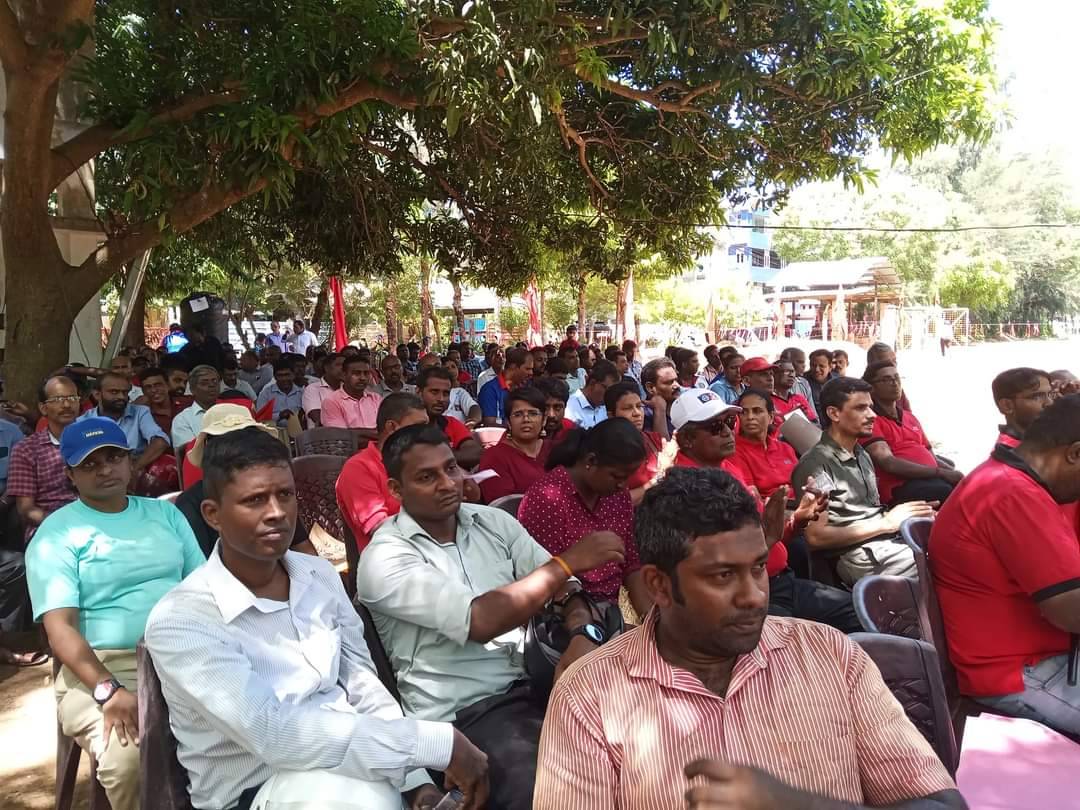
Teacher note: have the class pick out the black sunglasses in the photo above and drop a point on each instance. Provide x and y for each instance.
(714, 426)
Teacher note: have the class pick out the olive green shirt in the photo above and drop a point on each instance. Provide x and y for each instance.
(420, 594)
(854, 493)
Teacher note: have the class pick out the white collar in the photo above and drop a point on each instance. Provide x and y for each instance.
(233, 597)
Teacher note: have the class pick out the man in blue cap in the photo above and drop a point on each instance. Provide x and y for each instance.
(95, 569)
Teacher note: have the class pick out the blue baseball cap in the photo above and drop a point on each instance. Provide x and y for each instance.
(82, 438)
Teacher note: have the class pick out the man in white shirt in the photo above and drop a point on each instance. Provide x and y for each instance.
(302, 339)
(315, 392)
(585, 407)
(205, 384)
(272, 694)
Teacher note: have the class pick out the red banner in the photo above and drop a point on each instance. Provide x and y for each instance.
(341, 335)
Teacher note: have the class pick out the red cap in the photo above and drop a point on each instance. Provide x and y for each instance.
(756, 364)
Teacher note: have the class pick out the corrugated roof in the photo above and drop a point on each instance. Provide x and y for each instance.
(841, 272)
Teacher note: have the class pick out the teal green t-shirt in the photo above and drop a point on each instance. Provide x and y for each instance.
(112, 567)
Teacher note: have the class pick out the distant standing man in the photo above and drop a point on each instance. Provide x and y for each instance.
(302, 339)
(571, 339)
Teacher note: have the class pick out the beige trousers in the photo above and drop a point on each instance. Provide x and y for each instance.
(83, 720)
(891, 557)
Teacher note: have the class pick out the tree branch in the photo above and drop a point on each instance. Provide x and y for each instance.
(572, 135)
(13, 50)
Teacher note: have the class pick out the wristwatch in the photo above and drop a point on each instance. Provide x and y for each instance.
(593, 632)
(104, 691)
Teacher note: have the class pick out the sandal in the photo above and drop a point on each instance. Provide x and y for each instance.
(27, 659)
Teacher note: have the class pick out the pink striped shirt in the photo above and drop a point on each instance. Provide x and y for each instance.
(807, 706)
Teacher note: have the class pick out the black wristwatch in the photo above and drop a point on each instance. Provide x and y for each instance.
(593, 632)
(104, 691)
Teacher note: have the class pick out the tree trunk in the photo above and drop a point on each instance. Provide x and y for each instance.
(390, 310)
(319, 311)
(581, 306)
(238, 322)
(543, 323)
(620, 311)
(135, 335)
(426, 314)
(459, 312)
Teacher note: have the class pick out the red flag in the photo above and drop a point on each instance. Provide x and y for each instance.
(341, 336)
(534, 336)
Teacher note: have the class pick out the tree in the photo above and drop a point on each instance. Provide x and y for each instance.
(650, 113)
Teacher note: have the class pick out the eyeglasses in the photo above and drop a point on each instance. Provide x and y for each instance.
(65, 400)
(894, 380)
(529, 414)
(716, 426)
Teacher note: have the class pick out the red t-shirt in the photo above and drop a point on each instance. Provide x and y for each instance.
(999, 545)
(647, 471)
(517, 471)
(1007, 437)
(768, 468)
(778, 555)
(363, 495)
(906, 440)
(454, 429)
(794, 402)
(556, 517)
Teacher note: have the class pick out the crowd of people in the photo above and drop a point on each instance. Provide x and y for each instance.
(505, 507)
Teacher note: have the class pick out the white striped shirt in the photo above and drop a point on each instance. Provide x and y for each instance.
(807, 706)
(256, 686)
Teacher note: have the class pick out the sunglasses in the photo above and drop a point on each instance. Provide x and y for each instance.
(716, 426)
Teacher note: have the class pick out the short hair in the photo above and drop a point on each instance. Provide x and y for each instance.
(877, 351)
(820, 353)
(651, 370)
(770, 406)
(199, 372)
(390, 358)
(790, 352)
(153, 371)
(688, 503)
(603, 370)
(516, 356)
(571, 328)
(617, 392)
(43, 395)
(1057, 426)
(234, 393)
(566, 351)
(230, 362)
(552, 388)
(838, 390)
(250, 353)
(284, 364)
(839, 353)
(680, 356)
(629, 344)
(236, 451)
(353, 359)
(1015, 381)
(395, 406)
(112, 375)
(724, 352)
(728, 358)
(402, 441)
(874, 368)
(612, 352)
(528, 395)
(171, 362)
(556, 366)
(433, 372)
(614, 442)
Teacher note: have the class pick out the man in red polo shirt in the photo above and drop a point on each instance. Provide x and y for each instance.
(362, 492)
(1006, 566)
(907, 469)
(705, 433)
(1020, 394)
(433, 385)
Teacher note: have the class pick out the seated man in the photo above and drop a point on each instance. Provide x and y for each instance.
(333, 369)
(393, 378)
(272, 694)
(492, 395)
(95, 568)
(205, 382)
(861, 534)
(287, 396)
(1006, 566)
(253, 372)
(354, 405)
(362, 491)
(796, 713)
(36, 478)
(153, 466)
(450, 586)
(434, 385)
(907, 469)
(556, 394)
(586, 407)
(661, 383)
(730, 385)
(230, 379)
(1020, 395)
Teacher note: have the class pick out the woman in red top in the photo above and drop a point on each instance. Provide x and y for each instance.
(522, 452)
(622, 400)
(764, 460)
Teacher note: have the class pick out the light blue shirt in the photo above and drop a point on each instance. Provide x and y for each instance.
(583, 413)
(575, 382)
(726, 391)
(10, 435)
(112, 567)
(138, 425)
(291, 401)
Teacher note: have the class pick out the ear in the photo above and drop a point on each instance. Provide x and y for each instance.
(1072, 453)
(67, 472)
(394, 486)
(833, 413)
(1006, 406)
(210, 510)
(659, 586)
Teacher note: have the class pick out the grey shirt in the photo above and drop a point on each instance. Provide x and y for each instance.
(384, 390)
(854, 492)
(420, 593)
(258, 378)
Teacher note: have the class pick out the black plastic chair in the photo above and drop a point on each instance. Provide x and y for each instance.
(163, 781)
(888, 604)
(508, 503)
(910, 669)
(329, 441)
(378, 652)
(316, 499)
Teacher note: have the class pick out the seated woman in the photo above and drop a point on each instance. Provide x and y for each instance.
(520, 455)
(764, 460)
(623, 400)
(585, 492)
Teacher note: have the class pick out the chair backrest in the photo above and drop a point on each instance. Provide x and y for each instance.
(329, 441)
(916, 533)
(910, 669)
(316, 496)
(163, 782)
(169, 496)
(378, 652)
(489, 436)
(508, 503)
(888, 604)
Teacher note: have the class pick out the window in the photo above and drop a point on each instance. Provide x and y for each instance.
(775, 262)
(757, 257)
(759, 223)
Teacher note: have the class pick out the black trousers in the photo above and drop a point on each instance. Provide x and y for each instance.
(506, 727)
(922, 489)
(806, 599)
(14, 596)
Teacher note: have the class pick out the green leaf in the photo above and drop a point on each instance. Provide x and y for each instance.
(453, 119)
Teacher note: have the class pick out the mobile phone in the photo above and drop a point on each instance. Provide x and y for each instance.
(454, 800)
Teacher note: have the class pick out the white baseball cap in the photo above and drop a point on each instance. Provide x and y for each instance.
(699, 405)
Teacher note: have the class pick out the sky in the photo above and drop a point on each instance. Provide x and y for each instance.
(1037, 55)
